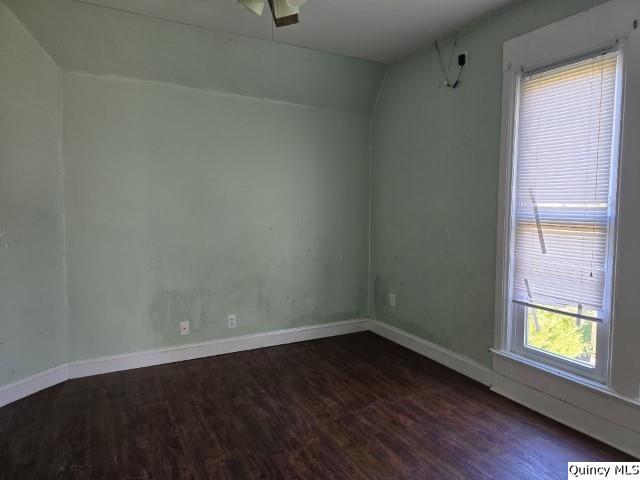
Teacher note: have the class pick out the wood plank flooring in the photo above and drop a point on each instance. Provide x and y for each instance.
(350, 407)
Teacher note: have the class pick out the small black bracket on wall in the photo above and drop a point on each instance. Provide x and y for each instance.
(635, 24)
(462, 62)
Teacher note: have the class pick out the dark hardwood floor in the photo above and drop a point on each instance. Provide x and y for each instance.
(351, 407)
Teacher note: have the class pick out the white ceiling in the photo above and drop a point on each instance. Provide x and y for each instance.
(380, 30)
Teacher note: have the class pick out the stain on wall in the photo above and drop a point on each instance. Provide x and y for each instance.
(170, 307)
(183, 204)
(187, 204)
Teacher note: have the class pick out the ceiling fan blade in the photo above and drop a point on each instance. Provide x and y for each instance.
(282, 9)
(256, 6)
(296, 3)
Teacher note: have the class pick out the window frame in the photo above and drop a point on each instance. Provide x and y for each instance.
(518, 313)
(605, 410)
(508, 330)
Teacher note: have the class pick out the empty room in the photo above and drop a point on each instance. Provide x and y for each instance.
(319, 239)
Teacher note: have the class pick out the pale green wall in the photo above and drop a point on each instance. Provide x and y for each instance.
(188, 203)
(183, 204)
(435, 187)
(204, 174)
(33, 329)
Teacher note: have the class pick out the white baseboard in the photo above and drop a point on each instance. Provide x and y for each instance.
(30, 385)
(589, 408)
(612, 419)
(179, 353)
(129, 361)
(444, 356)
(563, 412)
(609, 430)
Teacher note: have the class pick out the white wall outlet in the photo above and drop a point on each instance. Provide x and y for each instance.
(184, 328)
(231, 320)
(392, 299)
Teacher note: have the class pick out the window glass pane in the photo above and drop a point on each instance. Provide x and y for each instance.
(562, 335)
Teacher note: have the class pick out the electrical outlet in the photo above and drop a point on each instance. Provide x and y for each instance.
(184, 328)
(392, 299)
(231, 320)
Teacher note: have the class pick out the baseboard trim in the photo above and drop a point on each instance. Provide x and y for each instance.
(130, 361)
(96, 366)
(27, 386)
(590, 424)
(616, 435)
(444, 356)
(592, 410)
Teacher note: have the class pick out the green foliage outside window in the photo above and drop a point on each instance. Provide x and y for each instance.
(561, 335)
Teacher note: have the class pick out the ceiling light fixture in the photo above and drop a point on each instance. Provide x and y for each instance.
(284, 12)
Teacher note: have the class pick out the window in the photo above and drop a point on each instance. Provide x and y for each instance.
(563, 212)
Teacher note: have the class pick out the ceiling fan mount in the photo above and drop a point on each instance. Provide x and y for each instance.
(284, 12)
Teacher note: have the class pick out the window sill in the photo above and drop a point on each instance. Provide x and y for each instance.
(565, 377)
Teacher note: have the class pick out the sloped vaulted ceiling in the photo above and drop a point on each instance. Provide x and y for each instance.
(104, 41)
(379, 30)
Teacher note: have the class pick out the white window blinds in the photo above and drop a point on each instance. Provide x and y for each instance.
(563, 184)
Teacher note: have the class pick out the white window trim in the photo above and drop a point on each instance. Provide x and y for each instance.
(589, 31)
(601, 370)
